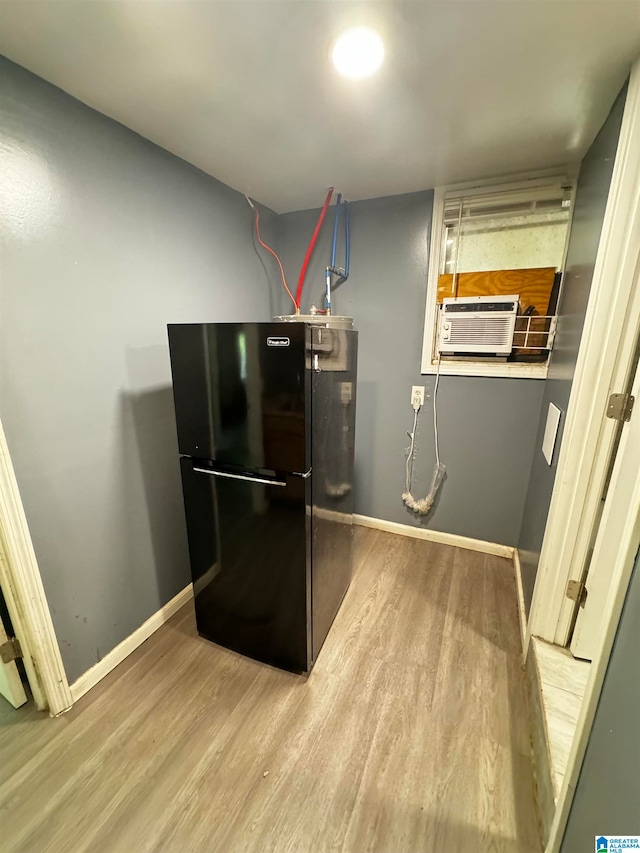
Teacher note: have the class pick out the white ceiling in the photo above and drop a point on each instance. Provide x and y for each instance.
(244, 88)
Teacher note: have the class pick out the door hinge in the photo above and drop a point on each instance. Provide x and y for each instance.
(577, 591)
(620, 407)
(10, 650)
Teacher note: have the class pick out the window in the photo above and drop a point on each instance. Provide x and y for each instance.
(488, 242)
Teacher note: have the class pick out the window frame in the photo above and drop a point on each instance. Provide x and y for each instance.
(429, 361)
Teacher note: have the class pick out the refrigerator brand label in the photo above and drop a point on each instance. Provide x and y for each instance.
(278, 342)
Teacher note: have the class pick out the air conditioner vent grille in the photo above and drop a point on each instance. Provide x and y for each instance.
(499, 333)
(476, 331)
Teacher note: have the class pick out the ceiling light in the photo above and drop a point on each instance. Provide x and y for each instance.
(358, 53)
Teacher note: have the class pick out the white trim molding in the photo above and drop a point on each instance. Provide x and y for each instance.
(25, 597)
(522, 610)
(609, 337)
(111, 660)
(501, 370)
(435, 536)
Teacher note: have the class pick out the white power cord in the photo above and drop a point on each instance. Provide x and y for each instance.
(422, 506)
(410, 451)
(435, 411)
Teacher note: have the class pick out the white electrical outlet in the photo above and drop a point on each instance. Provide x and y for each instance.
(417, 396)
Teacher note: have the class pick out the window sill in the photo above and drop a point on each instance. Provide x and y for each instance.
(502, 370)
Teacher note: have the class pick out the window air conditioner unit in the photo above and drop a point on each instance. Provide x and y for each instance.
(478, 324)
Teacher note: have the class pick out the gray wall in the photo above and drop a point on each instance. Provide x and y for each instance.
(590, 203)
(606, 800)
(105, 239)
(487, 426)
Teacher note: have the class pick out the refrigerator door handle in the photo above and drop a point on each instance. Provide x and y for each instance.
(247, 477)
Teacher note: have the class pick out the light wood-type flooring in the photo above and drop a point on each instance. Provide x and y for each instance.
(410, 735)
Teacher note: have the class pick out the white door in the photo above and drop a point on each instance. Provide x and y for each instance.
(617, 528)
(10, 682)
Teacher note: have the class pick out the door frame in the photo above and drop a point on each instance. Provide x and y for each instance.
(619, 502)
(25, 597)
(611, 329)
(621, 543)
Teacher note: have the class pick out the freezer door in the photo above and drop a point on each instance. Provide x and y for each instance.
(240, 392)
(250, 566)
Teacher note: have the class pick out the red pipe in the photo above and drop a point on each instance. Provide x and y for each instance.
(312, 244)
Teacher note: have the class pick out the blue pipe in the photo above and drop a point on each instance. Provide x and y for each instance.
(347, 241)
(347, 246)
(335, 231)
(327, 292)
(332, 269)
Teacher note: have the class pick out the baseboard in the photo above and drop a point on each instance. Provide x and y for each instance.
(99, 670)
(522, 612)
(435, 536)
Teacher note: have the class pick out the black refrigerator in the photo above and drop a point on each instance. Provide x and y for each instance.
(265, 415)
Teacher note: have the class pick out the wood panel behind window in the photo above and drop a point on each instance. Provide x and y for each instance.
(533, 285)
